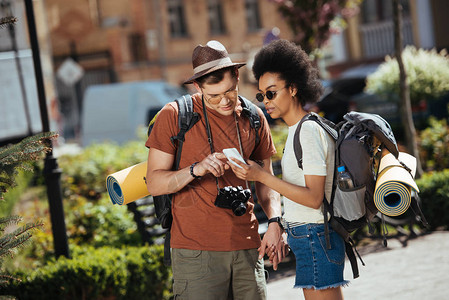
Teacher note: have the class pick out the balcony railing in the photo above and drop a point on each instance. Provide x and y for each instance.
(378, 38)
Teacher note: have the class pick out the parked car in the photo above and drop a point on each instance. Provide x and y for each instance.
(346, 93)
(113, 112)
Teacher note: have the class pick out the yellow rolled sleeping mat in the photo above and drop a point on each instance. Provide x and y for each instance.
(394, 184)
(127, 185)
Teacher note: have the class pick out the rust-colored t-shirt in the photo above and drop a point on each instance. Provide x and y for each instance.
(197, 223)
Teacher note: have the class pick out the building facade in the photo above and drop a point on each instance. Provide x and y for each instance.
(135, 40)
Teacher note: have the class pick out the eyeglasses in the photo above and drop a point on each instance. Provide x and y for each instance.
(269, 94)
(231, 94)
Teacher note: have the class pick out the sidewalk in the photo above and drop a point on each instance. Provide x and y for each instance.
(418, 271)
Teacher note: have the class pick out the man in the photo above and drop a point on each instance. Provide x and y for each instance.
(216, 254)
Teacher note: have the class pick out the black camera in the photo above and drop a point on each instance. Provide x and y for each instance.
(233, 198)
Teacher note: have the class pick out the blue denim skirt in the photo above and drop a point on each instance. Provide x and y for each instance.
(316, 266)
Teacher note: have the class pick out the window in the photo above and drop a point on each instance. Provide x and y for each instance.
(252, 15)
(216, 17)
(137, 47)
(5, 37)
(381, 10)
(176, 18)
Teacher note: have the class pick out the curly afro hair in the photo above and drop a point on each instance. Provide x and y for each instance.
(293, 65)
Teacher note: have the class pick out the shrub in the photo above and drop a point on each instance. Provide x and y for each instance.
(427, 75)
(10, 199)
(279, 133)
(434, 142)
(88, 222)
(100, 223)
(102, 273)
(434, 192)
(85, 173)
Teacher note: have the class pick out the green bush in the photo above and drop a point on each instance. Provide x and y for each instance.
(434, 142)
(85, 173)
(13, 195)
(279, 133)
(100, 223)
(102, 273)
(434, 193)
(88, 222)
(427, 75)
(89, 214)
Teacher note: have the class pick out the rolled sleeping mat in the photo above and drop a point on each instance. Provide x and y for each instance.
(127, 185)
(394, 184)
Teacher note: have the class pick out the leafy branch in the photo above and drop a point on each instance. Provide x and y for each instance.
(4, 21)
(12, 158)
(20, 156)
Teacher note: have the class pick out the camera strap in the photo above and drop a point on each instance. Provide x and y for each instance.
(211, 143)
(240, 141)
(209, 136)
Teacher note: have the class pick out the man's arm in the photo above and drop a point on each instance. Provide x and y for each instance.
(268, 198)
(160, 177)
(271, 204)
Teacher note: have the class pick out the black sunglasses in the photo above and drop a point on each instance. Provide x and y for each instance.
(269, 94)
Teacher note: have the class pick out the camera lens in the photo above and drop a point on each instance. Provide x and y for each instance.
(238, 208)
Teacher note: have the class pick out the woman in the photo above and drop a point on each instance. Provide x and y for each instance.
(287, 81)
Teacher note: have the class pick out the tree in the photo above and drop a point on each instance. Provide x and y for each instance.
(404, 91)
(312, 22)
(13, 158)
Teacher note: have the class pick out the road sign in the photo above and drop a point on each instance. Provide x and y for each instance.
(70, 72)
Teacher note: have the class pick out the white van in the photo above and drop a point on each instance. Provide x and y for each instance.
(113, 112)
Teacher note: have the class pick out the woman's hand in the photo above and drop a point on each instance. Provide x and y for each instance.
(250, 171)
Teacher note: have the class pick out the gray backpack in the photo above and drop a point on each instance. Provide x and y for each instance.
(357, 141)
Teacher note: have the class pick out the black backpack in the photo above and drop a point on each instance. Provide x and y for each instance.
(187, 118)
(358, 138)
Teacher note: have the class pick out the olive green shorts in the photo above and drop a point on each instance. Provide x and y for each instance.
(218, 275)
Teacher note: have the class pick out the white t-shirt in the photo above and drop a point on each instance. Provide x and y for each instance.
(318, 152)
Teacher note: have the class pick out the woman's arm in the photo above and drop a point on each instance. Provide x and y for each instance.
(311, 195)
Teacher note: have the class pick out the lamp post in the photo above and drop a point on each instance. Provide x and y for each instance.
(52, 172)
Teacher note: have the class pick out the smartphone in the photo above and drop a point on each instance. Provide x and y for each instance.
(233, 153)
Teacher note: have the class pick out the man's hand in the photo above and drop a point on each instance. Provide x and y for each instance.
(213, 163)
(280, 251)
(274, 245)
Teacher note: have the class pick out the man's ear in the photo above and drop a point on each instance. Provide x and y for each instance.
(197, 87)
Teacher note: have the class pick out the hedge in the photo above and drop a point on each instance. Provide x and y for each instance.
(102, 273)
(434, 193)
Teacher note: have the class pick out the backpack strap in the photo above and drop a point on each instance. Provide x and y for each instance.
(327, 125)
(250, 111)
(186, 119)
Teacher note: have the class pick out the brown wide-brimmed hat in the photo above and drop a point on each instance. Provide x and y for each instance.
(210, 58)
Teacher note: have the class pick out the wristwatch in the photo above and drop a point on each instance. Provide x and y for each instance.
(277, 220)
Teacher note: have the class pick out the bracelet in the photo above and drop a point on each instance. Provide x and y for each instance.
(191, 171)
(276, 220)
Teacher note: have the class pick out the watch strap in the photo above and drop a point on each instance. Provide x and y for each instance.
(276, 220)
